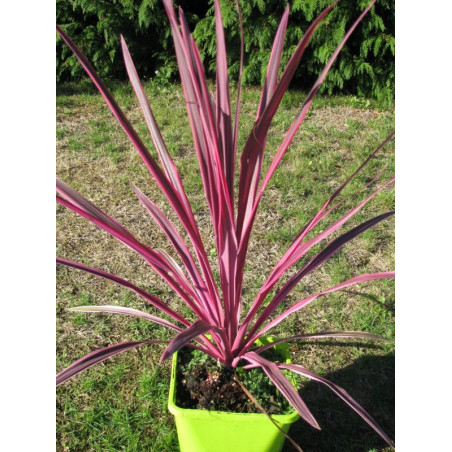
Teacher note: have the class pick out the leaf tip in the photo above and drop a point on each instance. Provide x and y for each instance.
(165, 356)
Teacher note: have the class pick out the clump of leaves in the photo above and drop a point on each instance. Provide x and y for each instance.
(218, 309)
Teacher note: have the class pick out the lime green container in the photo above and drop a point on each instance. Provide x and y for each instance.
(221, 431)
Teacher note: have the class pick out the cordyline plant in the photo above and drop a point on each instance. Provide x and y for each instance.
(218, 311)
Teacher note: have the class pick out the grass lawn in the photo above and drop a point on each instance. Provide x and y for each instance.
(121, 404)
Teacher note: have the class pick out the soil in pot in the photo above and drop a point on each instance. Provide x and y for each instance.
(203, 383)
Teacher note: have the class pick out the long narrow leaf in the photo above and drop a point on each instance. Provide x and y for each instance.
(309, 99)
(321, 257)
(192, 97)
(301, 251)
(267, 92)
(301, 304)
(239, 89)
(126, 311)
(344, 395)
(206, 146)
(93, 211)
(225, 137)
(152, 299)
(98, 356)
(153, 258)
(286, 260)
(165, 158)
(185, 336)
(175, 267)
(246, 201)
(185, 215)
(260, 129)
(294, 254)
(284, 385)
(274, 63)
(208, 347)
(320, 214)
(251, 159)
(180, 246)
(219, 189)
(152, 165)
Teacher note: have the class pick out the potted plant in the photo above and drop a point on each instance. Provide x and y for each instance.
(201, 429)
(219, 326)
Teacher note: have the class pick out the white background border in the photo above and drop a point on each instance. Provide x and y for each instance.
(423, 225)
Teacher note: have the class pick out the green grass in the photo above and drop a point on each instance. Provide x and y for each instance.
(121, 404)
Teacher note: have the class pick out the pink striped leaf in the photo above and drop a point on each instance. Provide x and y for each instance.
(252, 155)
(301, 251)
(341, 393)
(153, 258)
(274, 64)
(191, 98)
(278, 270)
(125, 311)
(301, 304)
(221, 188)
(83, 207)
(246, 202)
(165, 158)
(239, 89)
(152, 299)
(294, 254)
(223, 219)
(149, 161)
(309, 99)
(98, 356)
(208, 347)
(173, 235)
(185, 215)
(298, 121)
(217, 191)
(94, 212)
(267, 92)
(321, 214)
(80, 205)
(204, 300)
(207, 149)
(284, 386)
(184, 337)
(225, 137)
(321, 257)
(198, 80)
(175, 267)
(260, 128)
(305, 247)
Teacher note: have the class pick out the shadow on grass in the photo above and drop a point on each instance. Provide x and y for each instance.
(370, 381)
(389, 305)
(84, 86)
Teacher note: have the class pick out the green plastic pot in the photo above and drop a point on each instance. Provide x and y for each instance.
(220, 431)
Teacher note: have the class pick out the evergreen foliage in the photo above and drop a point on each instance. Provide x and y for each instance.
(96, 26)
(365, 66)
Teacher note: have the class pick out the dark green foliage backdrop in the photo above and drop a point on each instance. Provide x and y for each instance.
(96, 26)
(364, 67)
